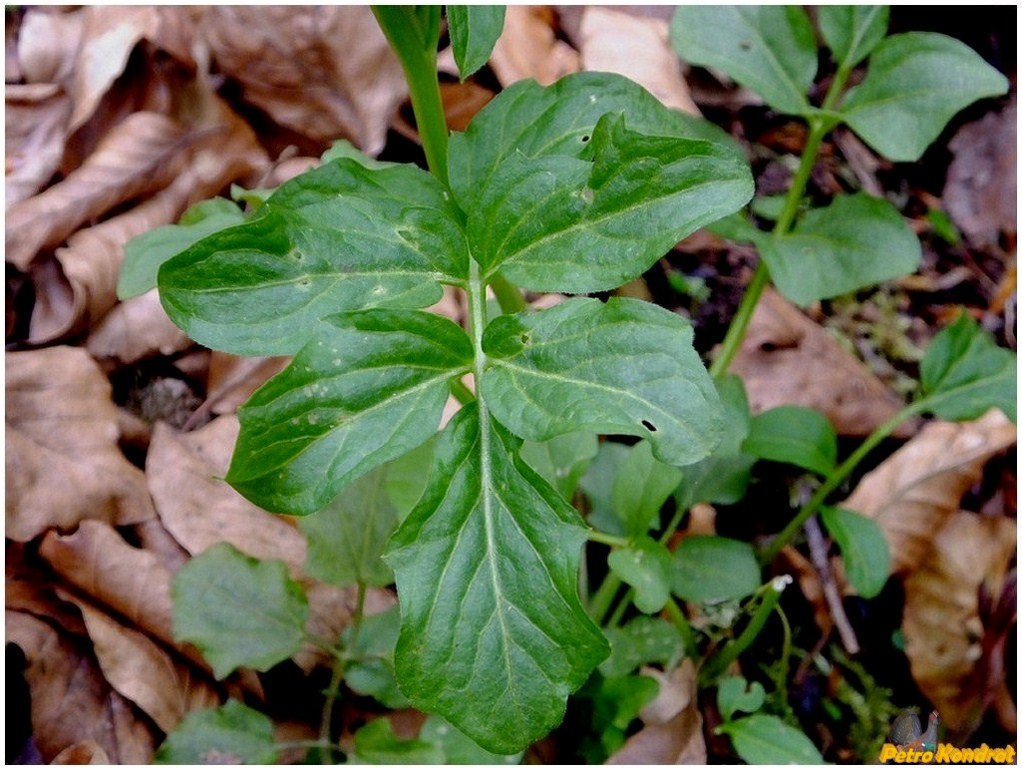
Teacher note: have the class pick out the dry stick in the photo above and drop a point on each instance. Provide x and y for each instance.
(818, 553)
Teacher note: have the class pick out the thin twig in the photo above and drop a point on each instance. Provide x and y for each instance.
(818, 554)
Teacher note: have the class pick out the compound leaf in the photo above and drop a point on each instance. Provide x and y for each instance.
(623, 366)
(487, 573)
(233, 734)
(340, 237)
(856, 241)
(916, 83)
(796, 435)
(369, 387)
(964, 373)
(770, 49)
(645, 565)
(238, 610)
(560, 223)
(707, 569)
(763, 739)
(863, 547)
(474, 31)
(852, 31)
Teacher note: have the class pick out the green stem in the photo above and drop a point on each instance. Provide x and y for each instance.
(836, 477)
(612, 540)
(510, 299)
(615, 617)
(326, 724)
(719, 663)
(603, 597)
(677, 617)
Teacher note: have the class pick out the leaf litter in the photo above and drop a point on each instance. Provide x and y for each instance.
(115, 125)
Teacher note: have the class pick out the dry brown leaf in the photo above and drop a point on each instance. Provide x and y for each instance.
(35, 121)
(136, 329)
(638, 48)
(48, 44)
(980, 193)
(86, 752)
(913, 492)
(71, 702)
(62, 461)
(943, 630)
(139, 155)
(232, 379)
(162, 686)
(528, 48)
(322, 71)
(788, 359)
(673, 732)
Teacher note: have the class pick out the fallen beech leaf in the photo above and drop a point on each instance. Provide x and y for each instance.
(788, 359)
(62, 462)
(139, 155)
(165, 688)
(638, 48)
(981, 187)
(86, 752)
(232, 379)
(136, 329)
(323, 71)
(943, 630)
(916, 489)
(673, 732)
(71, 702)
(48, 44)
(35, 121)
(528, 48)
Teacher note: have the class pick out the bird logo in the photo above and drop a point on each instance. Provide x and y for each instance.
(907, 732)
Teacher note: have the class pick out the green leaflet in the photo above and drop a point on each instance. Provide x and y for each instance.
(367, 388)
(736, 694)
(339, 237)
(623, 366)
(770, 49)
(915, 84)
(561, 460)
(965, 373)
(852, 31)
(238, 610)
(709, 569)
(641, 486)
(645, 565)
(371, 670)
(863, 546)
(640, 641)
(856, 241)
(474, 31)
(487, 573)
(458, 748)
(144, 254)
(796, 435)
(377, 744)
(233, 734)
(565, 224)
(767, 740)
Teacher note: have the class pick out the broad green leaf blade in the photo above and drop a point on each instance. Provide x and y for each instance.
(796, 435)
(856, 241)
(964, 373)
(768, 48)
(645, 566)
(342, 148)
(565, 224)
(233, 734)
(340, 237)
(535, 121)
(377, 744)
(623, 366)
(852, 31)
(598, 483)
(767, 740)
(371, 670)
(916, 83)
(144, 254)
(474, 31)
(614, 702)
(724, 475)
(641, 487)
(237, 610)
(487, 573)
(458, 748)
(863, 547)
(406, 477)
(562, 460)
(640, 641)
(367, 388)
(707, 569)
(733, 696)
(346, 539)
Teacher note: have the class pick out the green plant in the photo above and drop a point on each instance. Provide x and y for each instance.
(574, 188)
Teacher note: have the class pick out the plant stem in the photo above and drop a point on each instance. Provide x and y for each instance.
(836, 477)
(326, 724)
(615, 617)
(461, 392)
(677, 617)
(717, 664)
(612, 540)
(603, 597)
(510, 299)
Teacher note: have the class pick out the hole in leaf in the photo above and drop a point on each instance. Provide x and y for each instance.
(585, 138)
(649, 426)
(525, 338)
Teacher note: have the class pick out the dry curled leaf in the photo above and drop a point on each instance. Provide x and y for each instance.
(35, 122)
(139, 155)
(63, 464)
(48, 44)
(638, 48)
(324, 71)
(913, 492)
(942, 625)
(86, 752)
(528, 48)
(788, 359)
(135, 329)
